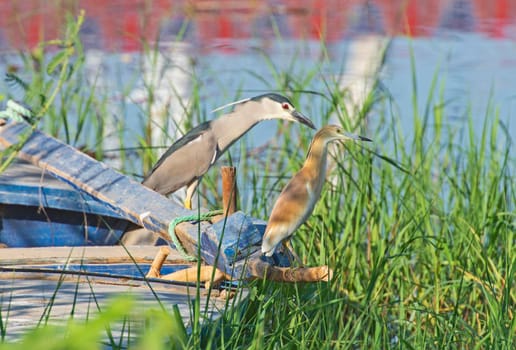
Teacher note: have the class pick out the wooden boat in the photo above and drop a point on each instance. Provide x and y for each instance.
(66, 198)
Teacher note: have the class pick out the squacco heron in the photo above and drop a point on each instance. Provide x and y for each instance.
(297, 200)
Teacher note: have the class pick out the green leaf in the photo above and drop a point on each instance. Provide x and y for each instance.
(56, 61)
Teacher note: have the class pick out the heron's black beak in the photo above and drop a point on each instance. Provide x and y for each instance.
(302, 119)
(356, 137)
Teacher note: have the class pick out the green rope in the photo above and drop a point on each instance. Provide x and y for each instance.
(16, 112)
(178, 220)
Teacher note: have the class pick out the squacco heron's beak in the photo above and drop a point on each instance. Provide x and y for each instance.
(356, 137)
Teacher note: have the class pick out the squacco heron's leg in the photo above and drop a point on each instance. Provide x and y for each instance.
(291, 254)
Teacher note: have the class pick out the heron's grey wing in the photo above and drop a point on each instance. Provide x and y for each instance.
(187, 138)
(184, 162)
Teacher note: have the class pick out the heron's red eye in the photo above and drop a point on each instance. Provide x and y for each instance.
(285, 106)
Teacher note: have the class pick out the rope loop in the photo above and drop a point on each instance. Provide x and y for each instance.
(180, 219)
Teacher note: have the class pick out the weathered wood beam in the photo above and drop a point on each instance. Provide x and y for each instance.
(263, 270)
(86, 254)
(255, 268)
(229, 189)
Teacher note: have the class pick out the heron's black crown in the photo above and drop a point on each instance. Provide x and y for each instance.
(273, 96)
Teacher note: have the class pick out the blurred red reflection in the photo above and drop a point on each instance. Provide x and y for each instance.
(123, 25)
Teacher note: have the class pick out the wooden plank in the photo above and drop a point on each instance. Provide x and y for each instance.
(240, 236)
(24, 173)
(25, 184)
(31, 296)
(89, 255)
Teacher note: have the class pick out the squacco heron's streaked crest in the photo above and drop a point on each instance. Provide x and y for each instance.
(297, 200)
(190, 157)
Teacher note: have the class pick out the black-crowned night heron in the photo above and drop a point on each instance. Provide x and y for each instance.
(190, 157)
(297, 200)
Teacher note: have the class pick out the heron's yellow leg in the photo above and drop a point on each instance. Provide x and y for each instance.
(190, 190)
(188, 203)
(291, 253)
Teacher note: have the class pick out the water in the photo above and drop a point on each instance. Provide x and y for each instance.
(239, 49)
(474, 71)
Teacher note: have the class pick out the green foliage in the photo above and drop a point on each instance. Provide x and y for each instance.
(47, 79)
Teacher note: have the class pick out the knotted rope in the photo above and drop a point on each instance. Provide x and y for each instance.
(180, 219)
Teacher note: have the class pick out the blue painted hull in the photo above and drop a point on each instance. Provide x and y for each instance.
(40, 211)
(29, 226)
